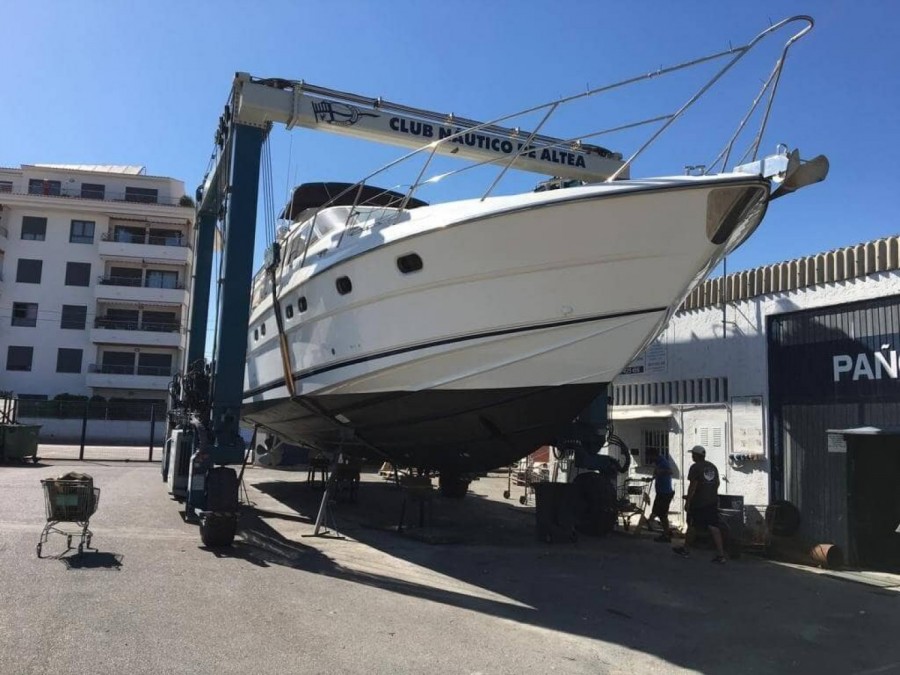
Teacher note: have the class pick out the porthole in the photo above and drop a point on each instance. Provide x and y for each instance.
(411, 262)
(289, 311)
(262, 329)
(344, 285)
(301, 303)
(256, 334)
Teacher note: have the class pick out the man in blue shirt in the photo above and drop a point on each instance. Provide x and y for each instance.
(662, 478)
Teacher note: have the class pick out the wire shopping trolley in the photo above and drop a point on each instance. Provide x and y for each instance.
(73, 501)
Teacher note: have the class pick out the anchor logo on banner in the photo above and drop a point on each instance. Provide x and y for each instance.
(339, 113)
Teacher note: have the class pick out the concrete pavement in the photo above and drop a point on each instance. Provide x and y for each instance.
(489, 599)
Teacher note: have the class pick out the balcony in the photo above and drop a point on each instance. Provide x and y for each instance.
(129, 377)
(128, 289)
(52, 190)
(170, 249)
(118, 332)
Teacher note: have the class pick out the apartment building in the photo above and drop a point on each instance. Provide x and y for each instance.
(95, 265)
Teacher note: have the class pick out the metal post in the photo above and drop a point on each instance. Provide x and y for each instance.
(83, 431)
(152, 429)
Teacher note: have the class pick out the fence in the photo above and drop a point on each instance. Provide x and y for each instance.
(96, 429)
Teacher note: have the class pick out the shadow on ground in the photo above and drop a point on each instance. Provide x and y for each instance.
(747, 616)
(92, 560)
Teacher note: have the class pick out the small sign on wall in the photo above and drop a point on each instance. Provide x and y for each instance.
(837, 442)
(747, 426)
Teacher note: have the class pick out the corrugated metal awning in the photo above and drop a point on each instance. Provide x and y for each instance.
(633, 413)
(867, 431)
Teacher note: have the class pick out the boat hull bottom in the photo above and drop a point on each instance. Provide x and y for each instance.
(459, 431)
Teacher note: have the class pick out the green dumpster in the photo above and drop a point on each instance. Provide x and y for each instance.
(19, 441)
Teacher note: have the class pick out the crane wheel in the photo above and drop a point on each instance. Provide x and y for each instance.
(218, 531)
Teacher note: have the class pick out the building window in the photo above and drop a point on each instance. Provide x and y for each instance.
(6, 186)
(33, 228)
(81, 232)
(118, 363)
(38, 186)
(19, 358)
(144, 195)
(162, 322)
(154, 364)
(119, 319)
(128, 235)
(161, 279)
(160, 237)
(93, 191)
(124, 276)
(68, 360)
(74, 317)
(24, 314)
(29, 271)
(409, 263)
(656, 443)
(78, 274)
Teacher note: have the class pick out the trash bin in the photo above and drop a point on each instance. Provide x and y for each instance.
(18, 441)
(555, 511)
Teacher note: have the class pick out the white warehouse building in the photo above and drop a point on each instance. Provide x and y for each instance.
(95, 271)
(758, 367)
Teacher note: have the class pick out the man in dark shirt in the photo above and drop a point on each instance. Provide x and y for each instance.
(702, 501)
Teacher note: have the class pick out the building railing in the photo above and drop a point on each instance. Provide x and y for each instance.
(113, 369)
(138, 283)
(153, 327)
(105, 196)
(129, 238)
(4, 232)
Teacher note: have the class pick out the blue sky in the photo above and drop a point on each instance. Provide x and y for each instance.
(144, 83)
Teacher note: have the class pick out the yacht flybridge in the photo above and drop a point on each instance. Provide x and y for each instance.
(460, 336)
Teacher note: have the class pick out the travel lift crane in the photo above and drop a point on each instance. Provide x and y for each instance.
(205, 400)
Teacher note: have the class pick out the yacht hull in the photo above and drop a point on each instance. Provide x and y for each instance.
(518, 319)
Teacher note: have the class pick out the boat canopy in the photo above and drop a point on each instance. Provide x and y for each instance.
(316, 195)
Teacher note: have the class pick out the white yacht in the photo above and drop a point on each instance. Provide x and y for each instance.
(461, 336)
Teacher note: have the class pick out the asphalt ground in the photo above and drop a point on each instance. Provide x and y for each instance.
(471, 592)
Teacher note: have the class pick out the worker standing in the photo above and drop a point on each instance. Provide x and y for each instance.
(702, 502)
(662, 483)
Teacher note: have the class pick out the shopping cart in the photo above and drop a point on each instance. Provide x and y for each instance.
(72, 502)
(633, 497)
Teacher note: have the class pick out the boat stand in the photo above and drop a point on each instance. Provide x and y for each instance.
(325, 517)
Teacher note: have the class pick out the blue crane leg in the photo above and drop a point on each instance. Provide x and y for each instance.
(234, 294)
(203, 255)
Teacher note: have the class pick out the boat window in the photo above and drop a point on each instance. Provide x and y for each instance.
(256, 334)
(262, 329)
(301, 303)
(409, 263)
(298, 242)
(344, 285)
(289, 311)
